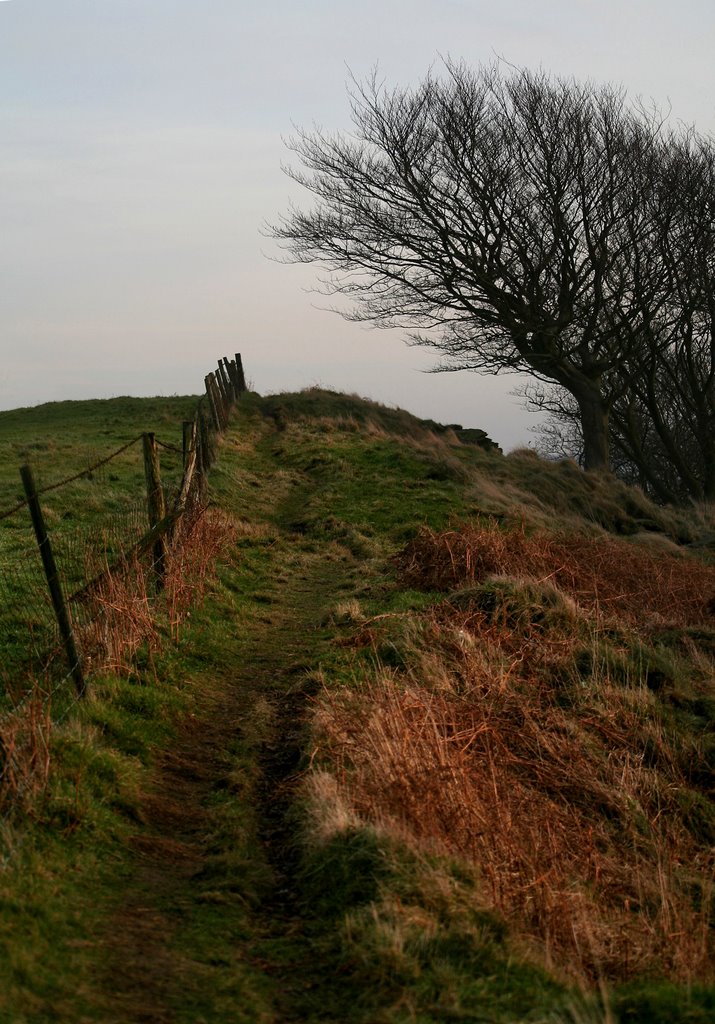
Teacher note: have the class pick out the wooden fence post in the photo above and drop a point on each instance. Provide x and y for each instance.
(205, 449)
(241, 375)
(156, 505)
(221, 401)
(185, 496)
(210, 394)
(187, 432)
(53, 581)
(228, 374)
(225, 384)
(232, 371)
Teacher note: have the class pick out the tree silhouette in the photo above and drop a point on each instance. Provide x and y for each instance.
(507, 219)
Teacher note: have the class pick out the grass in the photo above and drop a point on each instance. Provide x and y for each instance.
(89, 520)
(426, 749)
(60, 439)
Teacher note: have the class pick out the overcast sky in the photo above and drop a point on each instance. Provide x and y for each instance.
(140, 153)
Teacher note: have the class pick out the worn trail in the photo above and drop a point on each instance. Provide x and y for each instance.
(245, 736)
(144, 971)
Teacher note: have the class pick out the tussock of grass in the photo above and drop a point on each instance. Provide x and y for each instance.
(25, 752)
(571, 816)
(604, 574)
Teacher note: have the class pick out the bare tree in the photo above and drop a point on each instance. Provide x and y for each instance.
(662, 418)
(502, 217)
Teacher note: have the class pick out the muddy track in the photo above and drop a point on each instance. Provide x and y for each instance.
(145, 976)
(280, 764)
(144, 973)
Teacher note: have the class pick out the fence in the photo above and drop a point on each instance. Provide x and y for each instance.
(54, 593)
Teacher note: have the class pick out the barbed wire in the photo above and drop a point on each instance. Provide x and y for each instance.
(70, 479)
(11, 511)
(169, 447)
(89, 469)
(122, 536)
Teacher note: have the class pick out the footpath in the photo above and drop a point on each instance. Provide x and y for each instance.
(212, 926)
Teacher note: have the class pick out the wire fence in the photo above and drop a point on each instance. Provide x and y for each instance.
(77, 550)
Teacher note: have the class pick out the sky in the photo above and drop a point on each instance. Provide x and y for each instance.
(141, 152)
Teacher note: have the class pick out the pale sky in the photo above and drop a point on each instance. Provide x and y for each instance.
(140, 153)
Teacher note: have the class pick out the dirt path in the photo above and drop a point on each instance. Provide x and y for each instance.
(151, 978)
(144, 972)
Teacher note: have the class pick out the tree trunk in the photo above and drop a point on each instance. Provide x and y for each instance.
(594, 425)
(709, 470)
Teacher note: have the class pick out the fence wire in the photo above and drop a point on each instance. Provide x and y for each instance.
(90, 520)
(97, 519)
(84, 551)
(83, 474)
(28, 627)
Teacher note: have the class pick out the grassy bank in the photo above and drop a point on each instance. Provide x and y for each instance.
(435, 745)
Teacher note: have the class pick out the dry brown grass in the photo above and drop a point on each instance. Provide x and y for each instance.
(577, 837)
(125, 606)
(197, 545)
(119, 620)
(603, 574)
(567, 792)
(25, 751)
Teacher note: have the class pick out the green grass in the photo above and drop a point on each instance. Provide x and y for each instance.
(324, 489)
(60, 439)
(98, 515)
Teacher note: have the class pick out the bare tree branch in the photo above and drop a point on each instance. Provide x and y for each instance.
(511, 221)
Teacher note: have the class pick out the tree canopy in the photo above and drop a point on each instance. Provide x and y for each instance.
(513, 221)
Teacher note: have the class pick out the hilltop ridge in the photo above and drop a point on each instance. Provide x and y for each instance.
(437, 744)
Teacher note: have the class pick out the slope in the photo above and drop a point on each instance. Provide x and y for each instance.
(283, 818)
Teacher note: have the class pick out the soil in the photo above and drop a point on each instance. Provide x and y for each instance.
(145, 976)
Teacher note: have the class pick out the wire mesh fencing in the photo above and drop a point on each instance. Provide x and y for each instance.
(113, 535)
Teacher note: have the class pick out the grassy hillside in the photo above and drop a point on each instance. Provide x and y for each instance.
(437, 744)
(63, 438)
(102, 510)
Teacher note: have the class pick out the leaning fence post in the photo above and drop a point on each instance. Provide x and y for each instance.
(241, 374)
(53, 581)
(221, 400)
(232, 371)
(211, 394)
(226, 390)
(155, 501)
(225, 383)
(216, 402)
(232, 386)
(205, 448)
(186, 489)
(187, 429)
